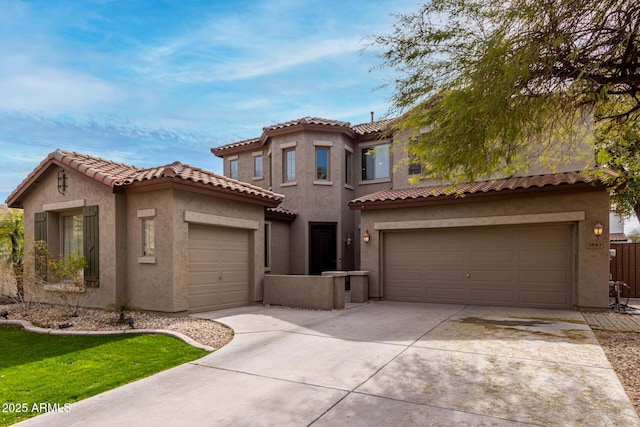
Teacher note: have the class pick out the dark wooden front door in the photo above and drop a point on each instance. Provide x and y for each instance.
(322, 247)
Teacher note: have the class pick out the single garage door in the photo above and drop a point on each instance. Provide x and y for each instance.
(524, 266)
(218, 268)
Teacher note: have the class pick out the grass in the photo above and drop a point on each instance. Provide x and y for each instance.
(39, 373)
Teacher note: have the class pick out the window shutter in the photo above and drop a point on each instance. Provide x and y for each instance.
(91, 244)
(40, 234)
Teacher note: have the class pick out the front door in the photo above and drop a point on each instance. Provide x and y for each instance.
(322, 247)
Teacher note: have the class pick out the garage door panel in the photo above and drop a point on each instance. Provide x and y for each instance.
(505, 256)
(548, 258)
(203, 278)
(445, 275)
(527, 265)
(445, 256)
(218, 268)
(489, 276)
(546, 276)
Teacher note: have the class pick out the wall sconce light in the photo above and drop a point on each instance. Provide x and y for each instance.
(62, 182)
(366, 238)
(348, 241)
(598, 229)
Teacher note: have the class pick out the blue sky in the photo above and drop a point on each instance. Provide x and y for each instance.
(151, 82)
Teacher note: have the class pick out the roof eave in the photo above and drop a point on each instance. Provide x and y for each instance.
(200, 188)
(222, 152)
(15, 199)
(476, 197)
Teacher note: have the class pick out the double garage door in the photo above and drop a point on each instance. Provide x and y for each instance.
(525, 266)
(218, 268)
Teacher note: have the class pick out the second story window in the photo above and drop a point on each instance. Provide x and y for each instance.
(289, 165)
(322, 163)
(233, 169)
(415, 168)
(348, 159)
(257, 167)
(375, 162)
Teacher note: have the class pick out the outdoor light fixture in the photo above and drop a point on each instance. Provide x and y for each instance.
(598, 229)
(62, 182)
(348, 241)
(366, 238)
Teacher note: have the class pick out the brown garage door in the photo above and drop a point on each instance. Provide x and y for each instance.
(218, 268)
(526, 266)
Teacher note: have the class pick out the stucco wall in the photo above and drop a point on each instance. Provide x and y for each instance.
(592, 264)
(279, 247)
(81, 191)
(312, 200)
(150, 280)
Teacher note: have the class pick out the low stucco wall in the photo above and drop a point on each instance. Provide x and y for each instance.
(311, 292)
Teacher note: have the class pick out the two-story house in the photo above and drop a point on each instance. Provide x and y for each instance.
(520, 241)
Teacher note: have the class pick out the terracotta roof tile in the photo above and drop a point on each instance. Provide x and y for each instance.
(200, 176)
(280, 212)
(418, 194)
(307, 121)
(114, 174)
(618, 237)
(372, 127)
(238, 144)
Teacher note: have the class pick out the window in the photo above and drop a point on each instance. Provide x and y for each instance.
(289, 165)
(257, 167)
(415, 168)
(322, 163)
(76, 232)
(148, 237)
(233, 169)
(375, 162)
(348, 159)
(72, 226)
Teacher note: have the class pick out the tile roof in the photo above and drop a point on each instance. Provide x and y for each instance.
(267, 131)
(372, 127)
(233, 145)
(618, 237)
(435, 193)
(119, 176)
(282, 213)
(307, 121)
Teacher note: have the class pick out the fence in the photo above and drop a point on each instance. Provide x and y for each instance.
(625, 266)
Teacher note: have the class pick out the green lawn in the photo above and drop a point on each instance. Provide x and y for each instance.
(40, 373)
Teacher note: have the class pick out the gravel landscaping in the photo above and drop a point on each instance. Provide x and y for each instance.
(204, 331)
(623, 351)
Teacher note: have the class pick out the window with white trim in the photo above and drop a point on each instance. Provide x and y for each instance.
(322, 163)
(233, 169)
(289, 165)
(257, 166)
(148, 237)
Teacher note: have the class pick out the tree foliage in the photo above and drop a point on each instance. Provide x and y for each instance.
(12, 243)
(478, 80)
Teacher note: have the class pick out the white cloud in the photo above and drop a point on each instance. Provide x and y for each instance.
(27, 85)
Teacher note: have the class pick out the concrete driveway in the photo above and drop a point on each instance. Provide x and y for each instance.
(383, 363)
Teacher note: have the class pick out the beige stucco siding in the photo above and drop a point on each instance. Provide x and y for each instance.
(279, 254)
(80, 192)
(592, 264)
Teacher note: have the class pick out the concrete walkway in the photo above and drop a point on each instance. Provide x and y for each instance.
(378, 364)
